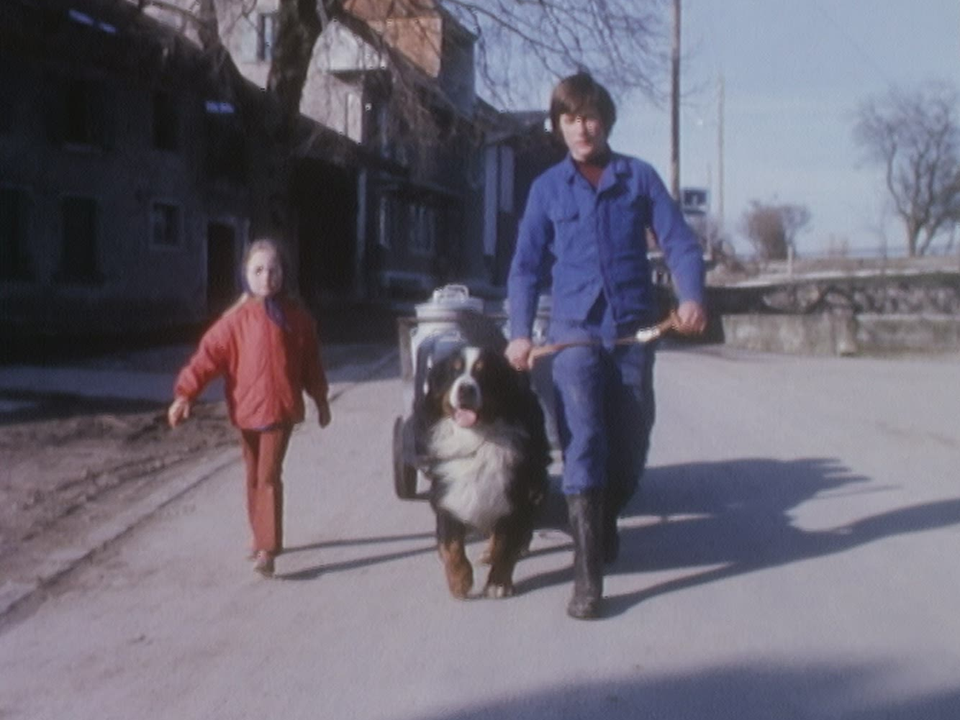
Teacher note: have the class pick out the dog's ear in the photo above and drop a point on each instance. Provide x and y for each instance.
(427, 399)
(522, 379)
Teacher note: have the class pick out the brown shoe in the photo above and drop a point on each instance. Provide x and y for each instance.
(264, 563)
(252, 553)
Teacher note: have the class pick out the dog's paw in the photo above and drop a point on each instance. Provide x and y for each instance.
(460, 580)
(498, 592)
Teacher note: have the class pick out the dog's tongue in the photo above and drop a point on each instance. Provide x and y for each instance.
(464, 418)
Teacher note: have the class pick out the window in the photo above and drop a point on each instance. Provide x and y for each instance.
(409, 225)
(266, 35)
(423, 225)
(225, 150)
(78, 122)
(78, 255)
(386, 218)
(14, 262)
(82, 116)
(9, 100)
(165, 225)
(353, 117)
(166, 121)
(77, 117)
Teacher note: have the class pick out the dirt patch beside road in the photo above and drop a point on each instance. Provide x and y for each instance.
(59, 453)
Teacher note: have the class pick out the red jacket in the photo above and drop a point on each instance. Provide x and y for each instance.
(267, 369)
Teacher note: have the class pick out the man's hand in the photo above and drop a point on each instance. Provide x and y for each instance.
(518, 353)
(692, 318)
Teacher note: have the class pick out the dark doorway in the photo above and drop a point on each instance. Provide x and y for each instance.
(221, 267)
(78, 260)
(326, 198)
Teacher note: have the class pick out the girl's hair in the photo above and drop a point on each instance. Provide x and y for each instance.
(264, 244)
(255, 246)
(580, 94)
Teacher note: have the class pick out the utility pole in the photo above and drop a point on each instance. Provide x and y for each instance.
(675, 106)
(720, 110)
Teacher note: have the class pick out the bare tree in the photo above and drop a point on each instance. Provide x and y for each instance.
(914, 135)
(519, 48)
(772, 229)
(624, 43)
(519, 44)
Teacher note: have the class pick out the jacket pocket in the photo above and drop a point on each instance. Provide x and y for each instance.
(559, 215)
(566, 231)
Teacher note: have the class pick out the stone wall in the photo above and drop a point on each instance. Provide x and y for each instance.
(867, 313)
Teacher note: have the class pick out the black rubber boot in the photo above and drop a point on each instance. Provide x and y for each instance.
(609, 533)
(613, 504)
(585, 512)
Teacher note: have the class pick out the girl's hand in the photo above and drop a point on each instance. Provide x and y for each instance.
(323, 411)
(178, 412)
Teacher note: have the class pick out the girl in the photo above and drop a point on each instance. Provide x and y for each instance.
(266, 348)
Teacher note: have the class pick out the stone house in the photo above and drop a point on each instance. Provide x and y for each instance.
(130, 173)
(125, 175)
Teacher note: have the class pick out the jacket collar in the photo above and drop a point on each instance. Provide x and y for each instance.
(618, 165)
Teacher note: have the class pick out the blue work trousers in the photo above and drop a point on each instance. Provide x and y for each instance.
(605, 411)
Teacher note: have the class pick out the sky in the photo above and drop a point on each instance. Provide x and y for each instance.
(794, 73)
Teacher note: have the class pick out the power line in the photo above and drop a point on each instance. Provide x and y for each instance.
(854, 43)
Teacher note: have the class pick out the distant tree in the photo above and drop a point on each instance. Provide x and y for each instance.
(772, 229)
(915, 136)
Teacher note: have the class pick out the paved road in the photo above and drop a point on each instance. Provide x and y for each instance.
(794, 555)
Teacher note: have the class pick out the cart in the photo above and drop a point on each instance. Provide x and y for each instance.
(450, 318)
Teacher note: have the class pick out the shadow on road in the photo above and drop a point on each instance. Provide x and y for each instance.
(736, 516)
(748, 691)
(312, 573)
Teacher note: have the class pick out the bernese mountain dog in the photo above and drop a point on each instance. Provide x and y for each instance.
(486, 453)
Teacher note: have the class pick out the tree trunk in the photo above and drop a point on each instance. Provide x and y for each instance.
(912, 235)
(298, 28)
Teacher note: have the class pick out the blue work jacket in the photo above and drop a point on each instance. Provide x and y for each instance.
(590, 242)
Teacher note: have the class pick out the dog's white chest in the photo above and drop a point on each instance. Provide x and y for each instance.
(476, 467)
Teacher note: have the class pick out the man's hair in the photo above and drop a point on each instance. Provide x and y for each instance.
(580, 94)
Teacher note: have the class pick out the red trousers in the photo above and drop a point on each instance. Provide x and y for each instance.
(263, 453)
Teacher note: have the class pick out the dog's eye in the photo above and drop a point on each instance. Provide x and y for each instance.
(458, 364)
(478, 366)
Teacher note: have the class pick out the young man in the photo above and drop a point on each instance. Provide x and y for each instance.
(586, 224)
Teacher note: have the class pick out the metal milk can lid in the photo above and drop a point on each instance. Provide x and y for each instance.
(446, 302)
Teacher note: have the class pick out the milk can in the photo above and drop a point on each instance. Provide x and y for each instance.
(449, 318)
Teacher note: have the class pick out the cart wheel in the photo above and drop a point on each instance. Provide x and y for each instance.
(404, 476)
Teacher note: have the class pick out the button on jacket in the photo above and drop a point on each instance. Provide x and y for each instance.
(592, 243)
(267, 369)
